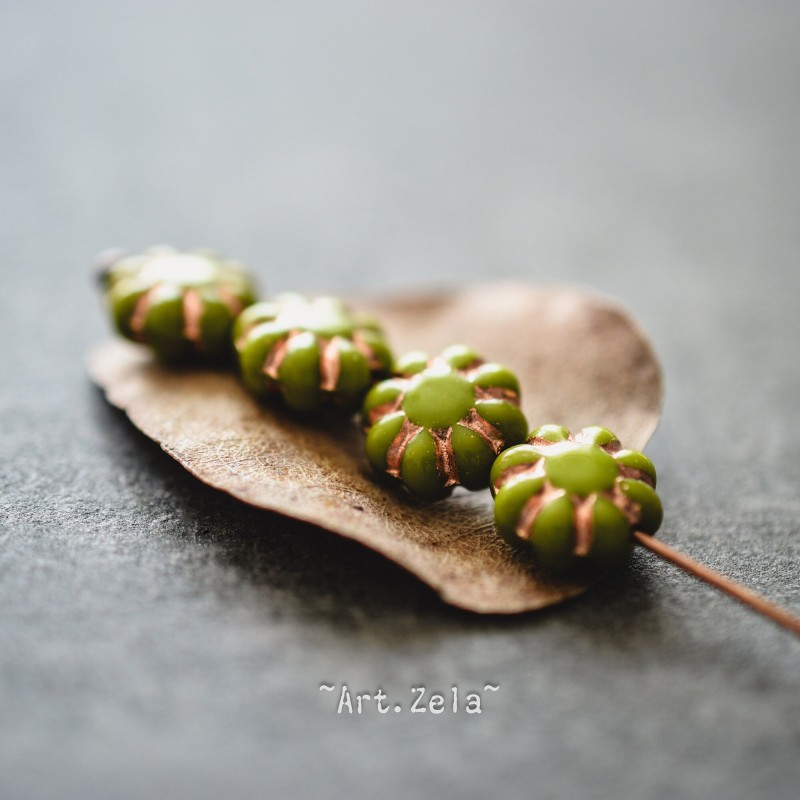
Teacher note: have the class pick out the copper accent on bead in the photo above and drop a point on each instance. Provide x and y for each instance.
(192, 315)
(488, 432)
(383, 410)
(496, 393)
(230, 300)
(373, 362)
(329, 364)
(631, 510)
(584, 524)
(397, 449)
(531, 510)
(445, 457)
(139, 316)
(275, 358)
(637, 475)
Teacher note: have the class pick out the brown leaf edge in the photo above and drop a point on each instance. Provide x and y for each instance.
(581, 360)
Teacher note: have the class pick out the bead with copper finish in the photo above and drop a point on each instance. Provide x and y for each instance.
(440, 422)
(180, 304)
(311, 353)
(575, 501)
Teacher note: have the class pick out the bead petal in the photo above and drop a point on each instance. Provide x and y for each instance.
(419, 472)
(474, 457)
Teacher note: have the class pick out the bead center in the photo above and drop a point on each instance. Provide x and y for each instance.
(582, 470)
(438, 401)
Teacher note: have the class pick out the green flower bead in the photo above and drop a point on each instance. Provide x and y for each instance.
(182, 305)
(311, 353)
(441, 422)
(574, 501)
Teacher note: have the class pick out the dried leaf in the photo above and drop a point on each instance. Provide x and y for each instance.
(581, 361)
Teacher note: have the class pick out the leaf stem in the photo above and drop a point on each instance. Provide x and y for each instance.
(747, 596)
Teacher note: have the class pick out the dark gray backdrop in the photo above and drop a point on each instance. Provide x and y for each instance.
(160, 640)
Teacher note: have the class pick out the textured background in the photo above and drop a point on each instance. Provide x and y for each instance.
(158, 639)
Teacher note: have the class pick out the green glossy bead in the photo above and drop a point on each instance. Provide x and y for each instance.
(182, 305)
(419, 472)
(566, 478)
(332, 360)
(464, 425)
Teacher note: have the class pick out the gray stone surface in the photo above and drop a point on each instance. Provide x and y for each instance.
(160, 640)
